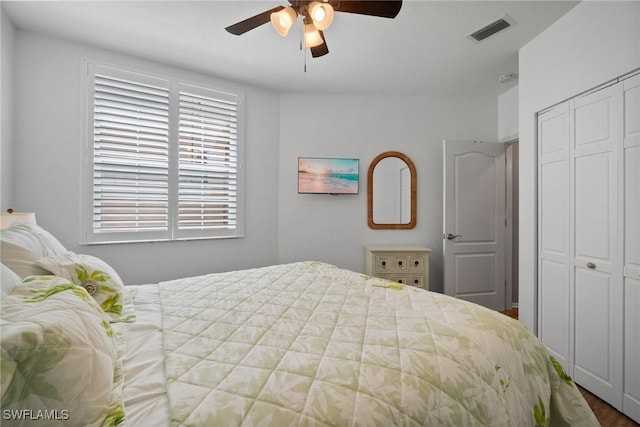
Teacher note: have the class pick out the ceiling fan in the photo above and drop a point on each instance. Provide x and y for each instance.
(317, 16)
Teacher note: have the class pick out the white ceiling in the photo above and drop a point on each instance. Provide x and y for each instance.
(424, 50)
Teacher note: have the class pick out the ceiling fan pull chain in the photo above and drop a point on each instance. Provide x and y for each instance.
(304, 51)
(302, 38)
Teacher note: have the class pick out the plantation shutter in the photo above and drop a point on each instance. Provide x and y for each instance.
(162, 159)
(207, 163)
(130, 157)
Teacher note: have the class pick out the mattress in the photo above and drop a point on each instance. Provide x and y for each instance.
(311, 344)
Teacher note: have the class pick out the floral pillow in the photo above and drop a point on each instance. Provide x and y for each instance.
(60, 354)
(98, 278)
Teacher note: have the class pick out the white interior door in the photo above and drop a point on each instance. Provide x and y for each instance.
(631, 209)
(597, 289)
(554, 242)
(474, 222)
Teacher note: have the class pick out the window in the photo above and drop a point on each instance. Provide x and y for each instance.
(162, 159)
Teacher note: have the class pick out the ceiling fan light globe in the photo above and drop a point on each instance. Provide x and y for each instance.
(312, 37)
(283, 20)
(321, 14)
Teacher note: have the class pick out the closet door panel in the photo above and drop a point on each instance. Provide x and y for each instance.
(631, 403)
(632, 206)
(632, 172)
(553, 232)
(553, 308)
(632, 107)
(597, 282)
(595, 123)
(554, 202)
(591, 325)
(553, 132)
(631, 134)
(593, 210)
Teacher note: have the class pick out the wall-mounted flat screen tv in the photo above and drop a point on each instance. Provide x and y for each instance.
(317, 175)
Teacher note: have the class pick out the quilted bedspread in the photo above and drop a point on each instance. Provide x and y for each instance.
(309, 344)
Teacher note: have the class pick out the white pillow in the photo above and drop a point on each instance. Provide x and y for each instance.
(59, 354)
(21, 245)
(8, 279)
(96, 276)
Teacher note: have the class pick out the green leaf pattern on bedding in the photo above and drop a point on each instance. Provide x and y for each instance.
(97, 281)
(115, 415)
(560, 371)
(41, 295)
(32, 365)
(540, 414)
(60, 353)
(310, 344)
(391, 285)
(111, 304)
(96, 275)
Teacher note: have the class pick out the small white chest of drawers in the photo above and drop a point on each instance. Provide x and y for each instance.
(405, 264)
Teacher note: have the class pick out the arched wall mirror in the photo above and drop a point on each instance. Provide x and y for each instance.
(391, 192)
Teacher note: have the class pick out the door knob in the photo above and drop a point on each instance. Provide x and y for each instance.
(453, 236)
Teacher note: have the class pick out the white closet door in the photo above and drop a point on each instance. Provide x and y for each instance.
(631, 206)
(553, 232)
(597, 290)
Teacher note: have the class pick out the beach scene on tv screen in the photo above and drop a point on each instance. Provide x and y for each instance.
(334, 176)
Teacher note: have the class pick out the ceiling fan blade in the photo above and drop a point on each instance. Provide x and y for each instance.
(253, 22)
(384, 9)
(321, 49)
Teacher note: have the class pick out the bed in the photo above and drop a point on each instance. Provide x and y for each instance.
(299, 344)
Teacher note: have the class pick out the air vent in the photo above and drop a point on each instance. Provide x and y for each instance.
(491, 29)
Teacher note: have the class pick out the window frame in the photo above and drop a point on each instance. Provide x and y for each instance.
(173, 85)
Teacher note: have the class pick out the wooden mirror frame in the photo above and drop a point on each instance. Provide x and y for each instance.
(412, 169)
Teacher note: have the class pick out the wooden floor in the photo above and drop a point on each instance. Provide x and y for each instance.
(606, 414)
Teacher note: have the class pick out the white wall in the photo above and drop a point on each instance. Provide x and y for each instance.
(48, 164)
(6, 111)
(508, 128)
(334, 228)
(593, 43)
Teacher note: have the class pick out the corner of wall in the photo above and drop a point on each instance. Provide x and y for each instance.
(6, 116)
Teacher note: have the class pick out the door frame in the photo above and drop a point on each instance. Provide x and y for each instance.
(512, 216)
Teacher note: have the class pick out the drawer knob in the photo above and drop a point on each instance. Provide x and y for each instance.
(416, 263)
(591, 265)
(400, 263)
(383, 263)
